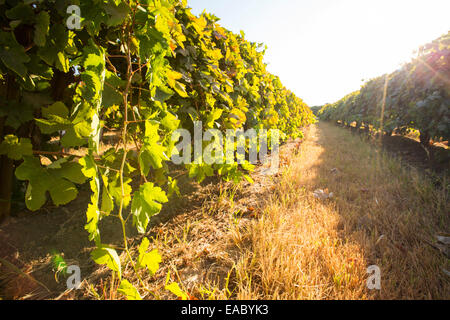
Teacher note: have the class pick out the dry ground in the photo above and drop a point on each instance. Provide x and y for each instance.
(272, 239)
(381, 214)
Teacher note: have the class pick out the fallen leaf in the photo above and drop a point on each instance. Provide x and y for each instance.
(379, 239)
(446, 272)
(443, 240)
(323, 195)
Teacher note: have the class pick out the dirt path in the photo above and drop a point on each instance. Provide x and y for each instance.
(273, 239)
(380, 214)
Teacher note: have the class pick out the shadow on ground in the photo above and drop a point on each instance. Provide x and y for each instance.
(30, 239)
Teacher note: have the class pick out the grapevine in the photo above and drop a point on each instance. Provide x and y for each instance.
(417, 97)
(142, 69)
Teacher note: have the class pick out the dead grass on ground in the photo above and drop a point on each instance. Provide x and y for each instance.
(381, 214)
(275, 240)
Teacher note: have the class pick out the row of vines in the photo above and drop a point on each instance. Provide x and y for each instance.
(140, 68)
(416, 96)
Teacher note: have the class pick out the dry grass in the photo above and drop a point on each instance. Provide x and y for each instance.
(275, 240)
(381, 214)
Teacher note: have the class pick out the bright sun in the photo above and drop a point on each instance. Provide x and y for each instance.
(353, 40)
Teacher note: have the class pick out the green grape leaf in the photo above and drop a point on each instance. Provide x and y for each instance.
(173, 187)
(93, 85)
(149, 260)
(170, 122)
(53, 51)
(180, 89)
(15, 148)
(58, 182)
(128, 290)
(212, 117)
(57, 119)
(248, 166)
(16, 113)
(93, 218)
(172, 76)
(52, 56)
(108, 256)
(237, 118)
(117, 12)
(13, 54)
(62, 62)
(200, 171)
(249, 179)
(72, 172)
(111, 97)
(21, 11)
(176, 290)
(199, 24)
(107, 204)
(41, 28)
(89, 169)
(115, 190)
(57, 109)
(48, 54)
(152, 153)
(162, 94)
(146, 203)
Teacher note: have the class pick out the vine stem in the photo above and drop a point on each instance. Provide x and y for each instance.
(58, 153)
(55, 153)
(124, 157)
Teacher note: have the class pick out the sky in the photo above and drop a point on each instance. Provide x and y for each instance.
(323, 49)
